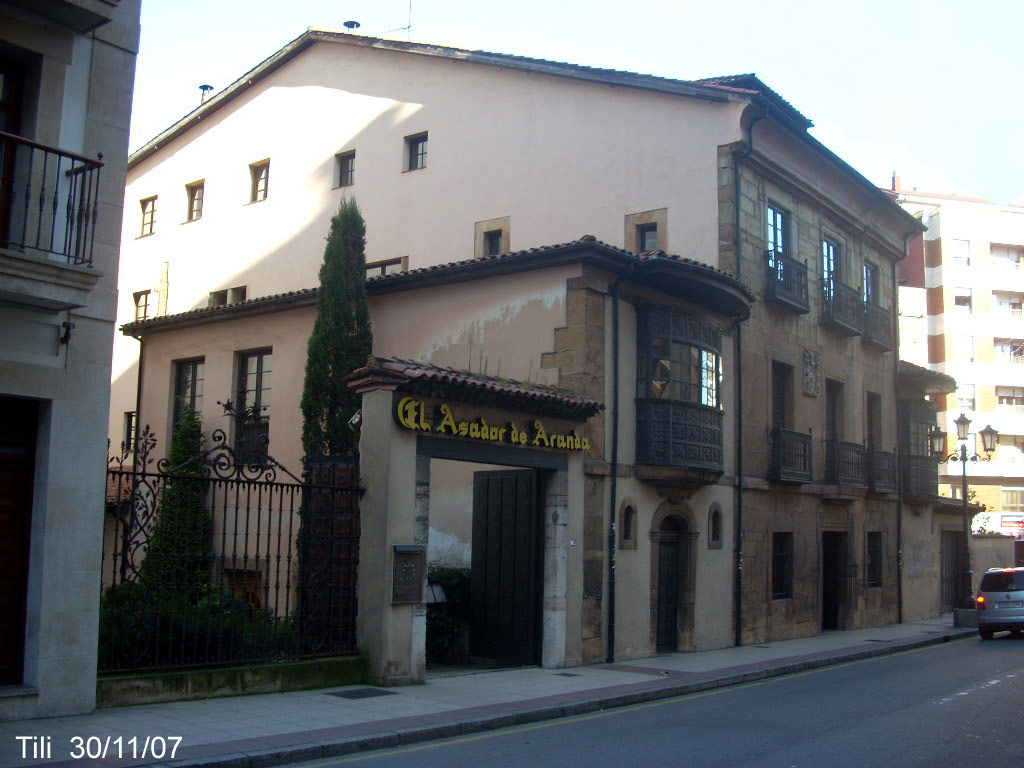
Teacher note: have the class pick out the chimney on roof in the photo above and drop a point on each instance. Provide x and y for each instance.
(895, 182)
(205, 92)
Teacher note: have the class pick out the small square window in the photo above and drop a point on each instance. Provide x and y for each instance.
(260, 180)
(647, 237)
(493, 245)
(148, 216)
(345, 169)
(218, 298)
(962, 300)
(416, 152)
(195, 192)
(141, 304)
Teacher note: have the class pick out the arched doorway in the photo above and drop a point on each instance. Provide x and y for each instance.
(671, 571)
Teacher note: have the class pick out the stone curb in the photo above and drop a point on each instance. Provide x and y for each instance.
(268, 758)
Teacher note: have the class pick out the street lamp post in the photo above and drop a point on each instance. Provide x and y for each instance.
(938, 446)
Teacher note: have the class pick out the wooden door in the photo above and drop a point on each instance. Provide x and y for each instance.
(505, 579)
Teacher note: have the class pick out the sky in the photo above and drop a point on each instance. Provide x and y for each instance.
(928, 89)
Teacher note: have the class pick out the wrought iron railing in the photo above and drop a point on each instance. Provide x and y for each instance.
(844, 463)
(878, 326)
(791, 457)
(881, 471)
(919, 476)
(48, 200)
(216, 562)
(785, 282)
(841, 308)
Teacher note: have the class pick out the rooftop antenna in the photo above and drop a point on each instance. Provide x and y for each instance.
(408, 25)
(205, 92)
(351, 26)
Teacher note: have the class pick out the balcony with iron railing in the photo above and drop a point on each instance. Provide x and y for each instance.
(842, 309)
(919, 476)
(881, 471)
(48, 211)
(791, 457)
(786, 282)
(878, 327)
(844, 464)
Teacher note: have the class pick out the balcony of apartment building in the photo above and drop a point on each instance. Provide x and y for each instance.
(842, 309)
(881, 471)
(790, 456)
(845, 463)
(1008, 266)
(48, 216)
(878, 327)
(786, 282)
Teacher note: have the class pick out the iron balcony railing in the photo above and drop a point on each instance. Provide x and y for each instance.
(919, 476)
(878, 327)
(785, 282)
(791, 457)
(844, 463)
(841, 308)
(48, 200)
(881, 471)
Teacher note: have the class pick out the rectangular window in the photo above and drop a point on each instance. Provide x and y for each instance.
(782, 394)
(148, 216)
(259, 174)
(252, 399)
(1010, 304)
(1010, 399)
(782, 566)
(873, 420)
(1007, 255)
(963, 349)
(873, 559)
(965, 397)
(830, 267)
(777, 235)
(1009, 350)
(188, 387)
(141, 304)
(871, 295)
(647, 237)
(1012, 500)
(493, 243)
(962, 300)
(387, 267)
(194, 193)
(218, 298)
(128, 443)
(416, 152)
(834, 410)
(962, 252)
(345, 165)
(685, 372)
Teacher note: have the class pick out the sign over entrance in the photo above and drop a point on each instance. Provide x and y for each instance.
(411, 413)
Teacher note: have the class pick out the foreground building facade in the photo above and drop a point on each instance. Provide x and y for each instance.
(66, 72)
(731, 416)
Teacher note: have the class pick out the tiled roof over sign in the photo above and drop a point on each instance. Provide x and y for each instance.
(475, 388)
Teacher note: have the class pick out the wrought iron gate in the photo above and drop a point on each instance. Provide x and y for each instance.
(225, 561)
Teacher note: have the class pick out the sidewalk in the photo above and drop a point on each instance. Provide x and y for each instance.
(259, 731)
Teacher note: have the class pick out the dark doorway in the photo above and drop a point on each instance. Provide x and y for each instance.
(951, 567)
(505, 574)
(834, 548)
(18, 424)
(669, 539)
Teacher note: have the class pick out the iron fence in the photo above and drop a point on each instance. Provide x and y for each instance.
(216, 562)
(48, 200)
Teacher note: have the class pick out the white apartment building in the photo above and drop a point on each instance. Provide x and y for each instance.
(962, 313)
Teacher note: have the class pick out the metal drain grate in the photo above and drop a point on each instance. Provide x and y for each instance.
(361, 693)
(567, 674)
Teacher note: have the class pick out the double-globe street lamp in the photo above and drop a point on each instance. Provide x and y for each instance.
(938, 446)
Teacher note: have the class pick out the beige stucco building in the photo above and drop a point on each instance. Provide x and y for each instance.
(733, 416)
(66, 74)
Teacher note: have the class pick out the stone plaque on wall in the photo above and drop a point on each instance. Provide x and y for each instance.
(812, 373)
(407, 578)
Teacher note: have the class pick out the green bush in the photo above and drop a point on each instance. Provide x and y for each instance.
(448, 622)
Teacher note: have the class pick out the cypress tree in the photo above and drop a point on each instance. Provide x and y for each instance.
(341, 339)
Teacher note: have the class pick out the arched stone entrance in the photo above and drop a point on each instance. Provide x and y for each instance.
(672, 579)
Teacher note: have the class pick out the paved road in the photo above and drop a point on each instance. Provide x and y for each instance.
(952, 705)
